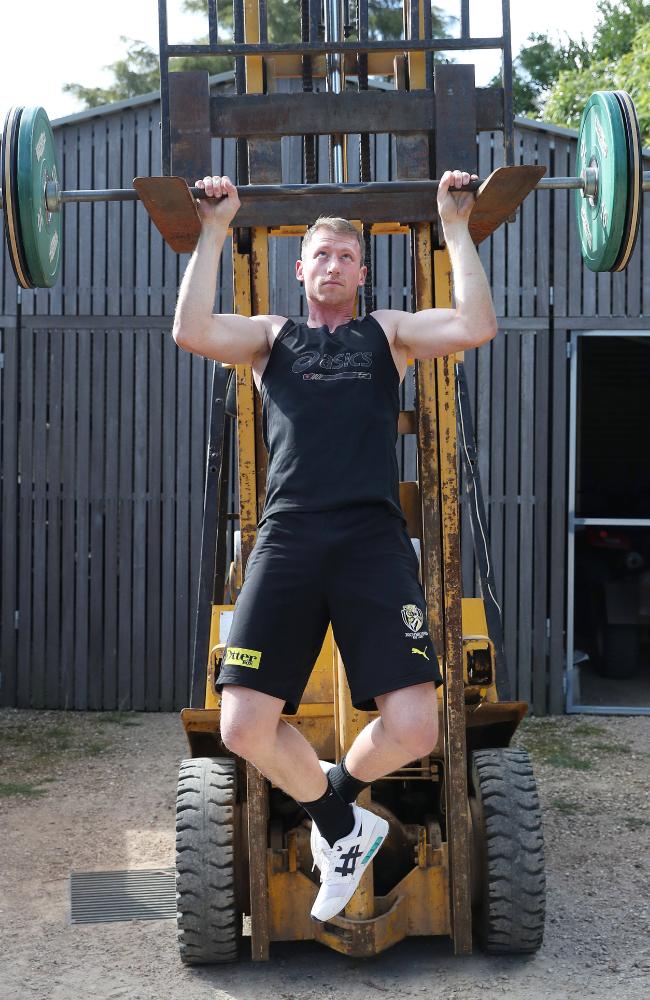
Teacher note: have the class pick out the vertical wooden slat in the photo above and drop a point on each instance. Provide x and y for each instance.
(82, 533)
(498, 241)
(182, 634)
(511, 505)
(516, 251)
(9, 520)
(99, 218)
(157, 278)
(154, 609)
(139, 490)
(40, 530)
(576, 266)
(68, 512)
(85, 232)
(529, 244)
(561, 210)
(199, 420)
(70, 223)
(142, 222)
(128, 211)
(497, 459)
(540, 550)
(114, 235)
(26, 508)
(54, 496)
(526, 512)
(618, 293)
(110, 695)
(125, 515)
(96, 507)
(541, 233)
(168, 575)
(633, 283)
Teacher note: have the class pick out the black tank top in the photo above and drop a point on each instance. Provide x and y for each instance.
(330, 406)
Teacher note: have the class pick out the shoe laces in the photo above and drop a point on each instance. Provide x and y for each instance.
(328, 857)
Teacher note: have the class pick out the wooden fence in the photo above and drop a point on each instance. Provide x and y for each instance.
(104, 420)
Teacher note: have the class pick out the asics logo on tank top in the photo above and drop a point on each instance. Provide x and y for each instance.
(346, 364)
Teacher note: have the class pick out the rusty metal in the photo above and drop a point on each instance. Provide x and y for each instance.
(499, 196)
(189, 123)
(456, 789)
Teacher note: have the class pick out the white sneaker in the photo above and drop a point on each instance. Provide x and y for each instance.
(342, 865)
(315, 837)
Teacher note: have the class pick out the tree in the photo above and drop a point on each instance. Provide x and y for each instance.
(137, 72)
(630, 72)
(554, 80)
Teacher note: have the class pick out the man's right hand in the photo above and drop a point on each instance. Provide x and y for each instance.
(222, 201)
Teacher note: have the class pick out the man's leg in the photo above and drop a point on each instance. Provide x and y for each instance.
(252, 728)
(406, 730)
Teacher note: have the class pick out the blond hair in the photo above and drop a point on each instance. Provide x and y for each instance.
(337, 225)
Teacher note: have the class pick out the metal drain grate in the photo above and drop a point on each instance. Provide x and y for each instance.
(148, 894)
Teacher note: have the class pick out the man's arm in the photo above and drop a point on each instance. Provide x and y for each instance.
(432, 333)
(221, 336)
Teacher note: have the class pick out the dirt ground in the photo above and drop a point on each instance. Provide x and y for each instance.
(83, 792)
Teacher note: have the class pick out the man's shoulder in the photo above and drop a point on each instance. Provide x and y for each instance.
(388, 320)
(272, 323)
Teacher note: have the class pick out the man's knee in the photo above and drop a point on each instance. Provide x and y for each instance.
(249, 721)
(410, 718)
(419, 737)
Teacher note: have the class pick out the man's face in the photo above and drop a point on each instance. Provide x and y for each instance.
(331, 268)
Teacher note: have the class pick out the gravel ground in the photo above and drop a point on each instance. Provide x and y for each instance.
(87, 791)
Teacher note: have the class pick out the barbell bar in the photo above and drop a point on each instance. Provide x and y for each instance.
(55, 198)
(607, 203)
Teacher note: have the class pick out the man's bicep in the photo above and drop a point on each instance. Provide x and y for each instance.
(233, 339)
(431, 333)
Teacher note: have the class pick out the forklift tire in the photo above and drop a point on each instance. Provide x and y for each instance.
(508, 855)
(209, 917)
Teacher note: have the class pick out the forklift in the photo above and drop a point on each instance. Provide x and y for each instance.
(464, 854)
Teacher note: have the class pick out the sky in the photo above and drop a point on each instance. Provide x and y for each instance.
(71, 41)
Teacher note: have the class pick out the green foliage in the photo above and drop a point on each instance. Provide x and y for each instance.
(618, 25)
(554, 80)
(630, 72)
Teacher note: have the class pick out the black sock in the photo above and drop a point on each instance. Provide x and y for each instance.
(333, 817)
(344, 783)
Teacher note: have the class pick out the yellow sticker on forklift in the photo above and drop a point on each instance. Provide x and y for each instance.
(243, 657)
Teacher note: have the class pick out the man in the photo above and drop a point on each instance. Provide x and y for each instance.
(331, 543)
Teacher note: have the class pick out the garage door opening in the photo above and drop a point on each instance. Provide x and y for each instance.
(608, 593)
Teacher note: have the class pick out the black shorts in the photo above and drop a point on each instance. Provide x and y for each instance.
(355, 567)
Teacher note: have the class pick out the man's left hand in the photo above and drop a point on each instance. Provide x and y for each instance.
(454, 207)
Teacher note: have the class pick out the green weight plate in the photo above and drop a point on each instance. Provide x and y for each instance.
(9, 169)
(635, 174)
(40, 229)
(602, 143)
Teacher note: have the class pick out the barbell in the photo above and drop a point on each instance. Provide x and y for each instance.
(607, 204)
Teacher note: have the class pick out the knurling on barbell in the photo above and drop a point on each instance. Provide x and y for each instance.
(608, 188)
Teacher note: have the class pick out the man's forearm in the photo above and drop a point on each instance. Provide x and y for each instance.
(471, 289)
(196, 294)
